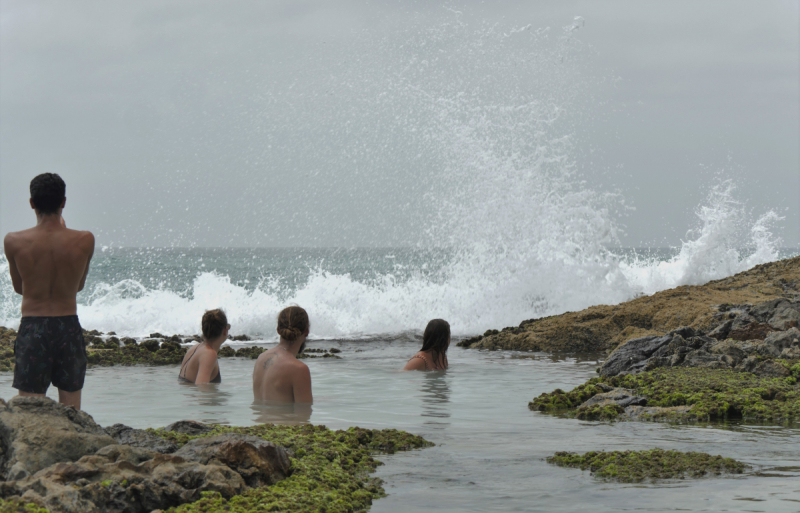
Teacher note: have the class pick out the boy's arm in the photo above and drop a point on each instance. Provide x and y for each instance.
(89, 241)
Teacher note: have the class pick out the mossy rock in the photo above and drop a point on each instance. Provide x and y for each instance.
(329, 469)
(713, 395)
(19, 506)
(652, 465)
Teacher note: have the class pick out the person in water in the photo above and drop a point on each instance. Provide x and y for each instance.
(435, 341)
(200, 362)
(278, 375)
(48, 265)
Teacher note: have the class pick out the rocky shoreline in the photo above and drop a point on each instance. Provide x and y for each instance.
(56, 458)
(106, 349)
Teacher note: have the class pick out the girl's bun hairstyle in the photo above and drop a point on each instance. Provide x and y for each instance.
(214, 323)
(292, 323)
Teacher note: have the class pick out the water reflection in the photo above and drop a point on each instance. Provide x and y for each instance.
(269, 412)
(435, 393)
(210, 398)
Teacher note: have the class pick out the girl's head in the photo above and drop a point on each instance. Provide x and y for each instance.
(214, 323)
(437, 339)
(292, 323)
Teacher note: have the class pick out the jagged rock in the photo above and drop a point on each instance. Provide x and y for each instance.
(762, 312)
(748, 364)
(776, 342)
(721, 332)
(140, 438)
(36, 432)
(259, 462)
(771, 369)
(729, 348)
(157, 335)
(701, 358)
(619, 396)
(750, 331)
(631, 357)
(189, 427)
(787, 315)
(791, 353)
(121, 479)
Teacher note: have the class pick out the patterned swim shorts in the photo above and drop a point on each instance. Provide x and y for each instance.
(49, 349)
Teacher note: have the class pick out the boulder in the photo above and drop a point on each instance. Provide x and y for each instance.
(630, 357)
(787, 315)
(701, 358)
(776, 342)
(730, 348)
(259, 462)
(189, 427)
(122, 479)
(762, 312)
(634, 412)
(721, 332)
(140, 438)
(771, 369)
(36, 432)
(151, 345)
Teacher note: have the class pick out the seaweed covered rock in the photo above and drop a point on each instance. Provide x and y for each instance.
(149, 352)
(652, 465)
(329, 468)
(121, 479)
(684, 394)
(36, 432)
(259, 462)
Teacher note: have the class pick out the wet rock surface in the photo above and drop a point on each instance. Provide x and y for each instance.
(129, 436)
(58, 458)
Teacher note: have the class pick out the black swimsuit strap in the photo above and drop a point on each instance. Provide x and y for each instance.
(187, 361)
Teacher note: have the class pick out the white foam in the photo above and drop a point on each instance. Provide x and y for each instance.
(531, 237)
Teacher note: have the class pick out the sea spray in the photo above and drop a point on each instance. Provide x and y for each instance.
(493, 116)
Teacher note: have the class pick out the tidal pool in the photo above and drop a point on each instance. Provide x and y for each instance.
(490, 448)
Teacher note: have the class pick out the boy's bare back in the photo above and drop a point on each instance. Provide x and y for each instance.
(48, 265)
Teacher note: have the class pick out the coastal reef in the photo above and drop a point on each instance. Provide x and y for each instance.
(652, 465)
(604, 327)
(157, 349)
(679, 394)
(55, 458)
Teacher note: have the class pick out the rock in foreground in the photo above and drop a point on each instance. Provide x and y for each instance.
(637, 466)
(57, 458)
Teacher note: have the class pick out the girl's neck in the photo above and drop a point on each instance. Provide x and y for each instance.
(215, 344)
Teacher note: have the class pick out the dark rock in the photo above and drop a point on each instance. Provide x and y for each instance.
(240, 338)
(171, 345)
(700, 358)
(121, 479)
(250, 352)
(721, 332)
(634, 412)
(335, 351)
(762, 312)
(259, 462)
(786, 316)
(176, 338)
(157, 335)
(776, 342)
(189, 427)
(128, 341)
(631, 356)
(748, 364)
(36, 432)
(771, 369)
(746, 328)
(140, 438)
(226, 352)
(730, 348)
(150, 345)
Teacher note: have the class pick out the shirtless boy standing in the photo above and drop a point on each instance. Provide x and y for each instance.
(278, 375)
(48, 265)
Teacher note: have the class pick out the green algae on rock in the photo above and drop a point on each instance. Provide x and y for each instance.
(330, 469)
(684, 394)
(19, 506)
(637, 466)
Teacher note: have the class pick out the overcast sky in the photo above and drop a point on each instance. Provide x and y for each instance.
(255, 123)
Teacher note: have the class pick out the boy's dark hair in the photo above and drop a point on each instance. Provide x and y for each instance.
(47, 192)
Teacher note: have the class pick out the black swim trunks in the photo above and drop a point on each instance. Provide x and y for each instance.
(49, 349)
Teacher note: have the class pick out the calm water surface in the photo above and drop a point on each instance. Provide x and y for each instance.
(490, 448)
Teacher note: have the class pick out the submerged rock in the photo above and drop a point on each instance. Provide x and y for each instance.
(189, 427)
(652, 465)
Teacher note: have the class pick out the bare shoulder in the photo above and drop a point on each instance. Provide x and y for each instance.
(415, 364)
(13, 239)
(302, 367)
(83, 237)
